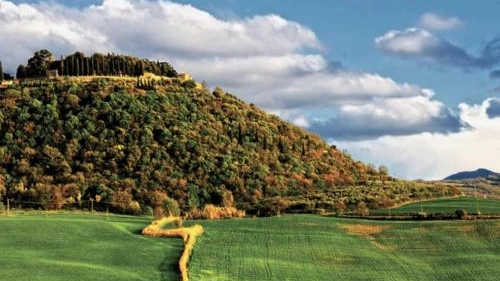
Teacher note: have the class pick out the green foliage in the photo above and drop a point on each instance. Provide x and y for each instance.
(461, 213)
(78, 64)
(1, 72)
(308, 247)
(69, 247)
(171, 207)
(39, 63)
(118, 140)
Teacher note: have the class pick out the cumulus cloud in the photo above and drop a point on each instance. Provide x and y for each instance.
(392, 116)
(435, 155)
(158, 29)
(295, 81)
(422, 45)
(432, 21)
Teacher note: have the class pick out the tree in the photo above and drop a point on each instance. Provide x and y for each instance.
(39, 63)
(384, 172)
(171, 207)
(156, 199)
(461, 214)
(361, 209)
(21, 72)
(1, 72)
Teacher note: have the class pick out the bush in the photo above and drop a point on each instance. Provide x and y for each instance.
(171, 207)
(212, 212)
(461, 214)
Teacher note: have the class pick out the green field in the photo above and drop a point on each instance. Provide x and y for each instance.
(310, 247)
(292, 247)
(84, 247)
(448, 205)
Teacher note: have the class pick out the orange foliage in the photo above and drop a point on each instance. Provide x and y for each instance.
(188, 234)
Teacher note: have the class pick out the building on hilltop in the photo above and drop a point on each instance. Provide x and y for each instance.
(184, 77)
(52, 73)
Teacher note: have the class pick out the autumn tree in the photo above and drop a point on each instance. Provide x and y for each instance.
(156, 199)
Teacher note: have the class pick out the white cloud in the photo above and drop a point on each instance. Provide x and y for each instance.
(423, 46)
(437, 22)
(410, 42)
(157, 29)
(389, 116)
(435, 156)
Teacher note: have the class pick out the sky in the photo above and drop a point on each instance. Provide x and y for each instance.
(412, 85)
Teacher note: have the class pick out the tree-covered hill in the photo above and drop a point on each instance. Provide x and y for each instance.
(122, 142)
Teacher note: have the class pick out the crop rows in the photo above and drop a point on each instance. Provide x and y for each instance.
(317, 248)
(79, 247)
(447, 206)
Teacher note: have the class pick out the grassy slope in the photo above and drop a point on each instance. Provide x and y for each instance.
(307, 247)
(450, 205)
(71, 247)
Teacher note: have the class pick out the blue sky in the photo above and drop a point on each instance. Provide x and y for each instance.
(413, 85)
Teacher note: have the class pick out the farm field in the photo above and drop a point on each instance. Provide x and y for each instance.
(84, 247)
(311, 247)
(448, 205)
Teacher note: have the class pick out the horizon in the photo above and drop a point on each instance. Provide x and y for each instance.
(417, 91)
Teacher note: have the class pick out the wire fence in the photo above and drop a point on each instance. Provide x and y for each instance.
(23, 207)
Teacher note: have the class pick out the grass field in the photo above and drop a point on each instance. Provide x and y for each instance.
(448, 205)
(309, 247)
(84, 247)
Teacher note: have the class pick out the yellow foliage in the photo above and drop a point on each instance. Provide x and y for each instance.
(212, 212)
(188, 235)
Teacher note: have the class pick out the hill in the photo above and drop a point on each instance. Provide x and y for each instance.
(124, 144)
(479, 173)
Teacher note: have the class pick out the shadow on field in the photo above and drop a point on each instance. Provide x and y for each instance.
(168, 268)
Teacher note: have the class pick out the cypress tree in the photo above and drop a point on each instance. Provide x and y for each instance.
(62, 66)
(87, 65)
(73, 65)
(77, 67)
(1, 72)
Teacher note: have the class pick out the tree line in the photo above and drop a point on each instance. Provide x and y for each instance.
(78, 64)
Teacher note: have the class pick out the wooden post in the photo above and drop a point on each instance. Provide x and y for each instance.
(91, 205)
(8, 207)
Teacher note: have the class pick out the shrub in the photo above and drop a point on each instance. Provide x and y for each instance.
(171, 207)
(212, 212)
(461, 214)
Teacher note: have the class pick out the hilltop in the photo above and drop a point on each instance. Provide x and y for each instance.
(122, 143)
(479, 173)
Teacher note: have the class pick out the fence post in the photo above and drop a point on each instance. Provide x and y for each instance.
(8, 207)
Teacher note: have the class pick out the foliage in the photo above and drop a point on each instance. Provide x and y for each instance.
(311, 247)
(114, 140)
(78, 64)
(171, 207)
(461, 213)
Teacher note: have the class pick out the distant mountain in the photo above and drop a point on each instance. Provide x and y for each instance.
(479, 173)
